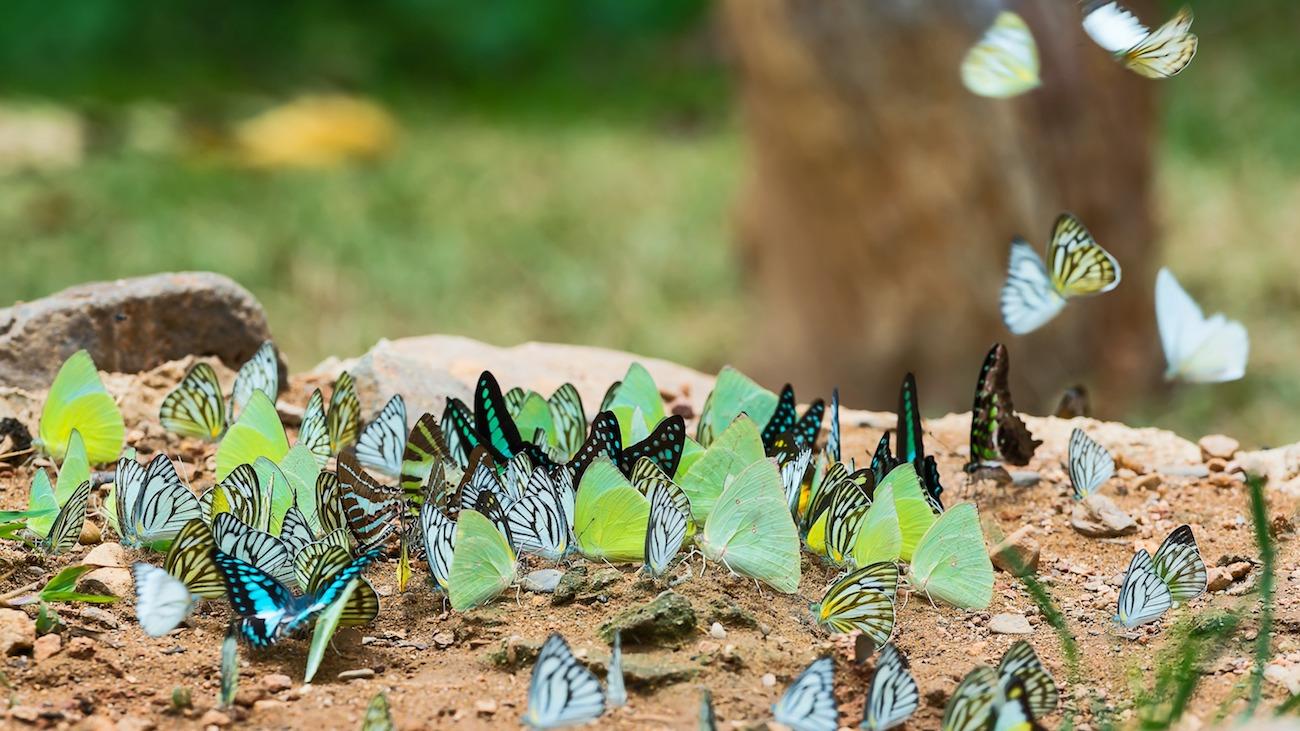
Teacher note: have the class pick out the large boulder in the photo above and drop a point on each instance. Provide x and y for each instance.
(426, 370)
(130, 325)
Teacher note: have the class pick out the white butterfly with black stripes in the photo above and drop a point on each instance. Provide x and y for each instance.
(150, 504)
(666, 527)
(254, 547)
(439, 534)
(808, 704)
(1090, 464)
(260, 373)
(380, 445)
(1153, 585)
(892, 697)
(538, 522)
(562, 691)
(1155, 55)
(66, 529)
(1033, 294)
(615, 691)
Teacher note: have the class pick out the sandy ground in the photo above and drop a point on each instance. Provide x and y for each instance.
(435, 669)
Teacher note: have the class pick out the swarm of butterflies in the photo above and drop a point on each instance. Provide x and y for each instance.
(287, 532)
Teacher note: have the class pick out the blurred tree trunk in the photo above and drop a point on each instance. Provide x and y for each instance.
(882, 198)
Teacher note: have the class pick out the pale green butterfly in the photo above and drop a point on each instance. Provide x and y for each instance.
(915, 516)
(1005, 61)
(951, 562)
(609, 515)
(482, 565)
(735, 449)
(750, 530)
(733, 394)
(257, 433)
(78, 400)
(637, 404)
(879, 536)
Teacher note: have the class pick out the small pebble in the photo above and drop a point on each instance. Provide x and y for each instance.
(717, 631)
(769, 680)
(358, 674)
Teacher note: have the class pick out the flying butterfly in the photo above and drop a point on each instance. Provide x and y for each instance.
(863, 600)
(1090, 465)
(1079, 267)
(268, 610)
(786, 418)
(997, 434)
(1155, 55)
(1198, 349)
(1005, 61)
(162, 601)
(808, 704)
(381, 443)
(892, 696)
(562, 692)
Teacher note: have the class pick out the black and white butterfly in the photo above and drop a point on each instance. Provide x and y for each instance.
(317, 564)
(268, 610)
(970, 707)
(326, 432)
(370, 509)
(539, 522)
(1090, 464)
(260, 373)
(165, 596)
(196, 407)
(151, 504)
(666, 527)
(808, 704)
(255, 547)
(66, 528)
(245, 497)
(792, 474)
(1153, 585)
(833, 440)
(1156, 54)
(562, 691)
(1021, 667)
(380, 445)
(892, 696)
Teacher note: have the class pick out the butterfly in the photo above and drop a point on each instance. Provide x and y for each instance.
(792, 475)
(951, 562)
(425, 450)
(882, 460)
(750, 532)
(615, 691)
(786, 418)
(378, 717)
(252, 546)
(229, 666)
(540, 521)
(1020, 667)
(381, 443)
(558, 424)
(260, 373)
(997, 433)
(910, 444)
(151, 504)
(1012, 712)
(1090, 464)
(733, 394)
(848, 507)
(708, 719)
(1005, 61)
(561, 692)
(666, 528)
(808, 704)
(892, 696)
(196, 408)
(165, 596)
(1155, 55)
(65, 531)
(369, 507)
(327, 432)
(1074, 402)
(439, 541)
(1152, 585)
(833, 440)
(78, 401)
(863, 600)
(318, 563)
(1079, 266)
(1197, 349)
(268, 610)
(970, 707)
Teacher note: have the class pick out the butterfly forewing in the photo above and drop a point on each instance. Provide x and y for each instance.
(189, 559)
(369, 508)
(196, 408)
(863, 601)
(439, 537)
(663, 447)
(343, 420)
(381, 443)
(260, 373)
(569, 419)
(425, 447)
(66, 529)
(971, 706)
(1143, 597)
(892, 697)
(809, 703)
(561, 692)
(667, 526)
(1079, 266)
(1178, 563)
(314, 433)
(1090, 464)
(1020, 664)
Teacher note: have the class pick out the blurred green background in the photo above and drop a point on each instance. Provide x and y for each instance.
(536, 135)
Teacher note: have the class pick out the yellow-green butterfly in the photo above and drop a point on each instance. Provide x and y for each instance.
(731, 452)
(78, 400)
(750, 530)
(1005, 61)
(257, 433)
(482, 564)
(862, 600)
(733, 394)
(951, 562)
(610, 515)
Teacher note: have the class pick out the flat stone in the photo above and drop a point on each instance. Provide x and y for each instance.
(111, 581)
(542, 581)
(1025, 478)
(668, 618)
(514, 652)
(276, 682)
(428, 369)
(648, 675)
(1196, 471)
(731, 614)
(135, 723)
(1217, 578)
(17, 632)
(1017, 553)
(130, 325)
(604, 578)
(46, 646)
(1010, 624)
(358, 674)
(1097, 516)
(215, 718)
(1218, 445)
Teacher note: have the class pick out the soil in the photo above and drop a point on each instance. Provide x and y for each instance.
(434, 665)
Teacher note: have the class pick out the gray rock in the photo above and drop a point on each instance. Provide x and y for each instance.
(1025, 478)
(1097, 516)
(358, 674)
(1195, 470)
(571, 584)
(513, 653)
(650, 674)
(1010, 624)
(730, 614)
(604, 578)
(542, 581)
(667, 619)
(130, 325)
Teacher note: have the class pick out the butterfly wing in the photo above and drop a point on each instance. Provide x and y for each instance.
(1015, 444)
(189, 559)
(569, 419)
(1143, 596)
(1167, 51)
(78, 400)
(750, 531)
(260, 373)
(439, 534)
(859, 602)
(368, 507)
(343, 420)
(537, 522)
(833, 440)
(381, 443)
(971, 706)
(492, 419)
(482, 565)
(1113, 27)
(312, 433)
(1021, 667)
(66, 529)
(603, 438)
(892, 697)
(196, 408)
(1197, 349)
(809, 703)
(561, 692)
(663, 447)
(1028, 300)
(666, 528)
(951, 561)
(908, 439)
(259, 600)
(1178, 563)
(1005, 61)
(164, 505)
(162, 601)
(1090, 464)
(378, 717)
(1079, 265)
(425, 447)
(255, 547)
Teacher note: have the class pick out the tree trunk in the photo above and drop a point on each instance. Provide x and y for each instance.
(882, 197)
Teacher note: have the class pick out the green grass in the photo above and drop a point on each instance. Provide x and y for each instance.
(604, 232)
